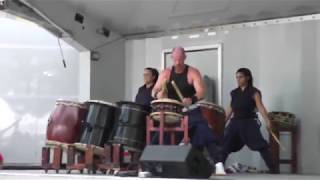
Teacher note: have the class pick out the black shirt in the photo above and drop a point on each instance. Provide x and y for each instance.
(243, 103)
(181, 79)
(143, 96)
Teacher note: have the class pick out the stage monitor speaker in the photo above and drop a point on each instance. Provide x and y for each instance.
(175, 162)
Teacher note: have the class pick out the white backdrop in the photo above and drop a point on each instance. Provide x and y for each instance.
(32, 77)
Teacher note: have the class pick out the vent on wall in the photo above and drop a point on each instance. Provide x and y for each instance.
(95, 56)
(79, 18)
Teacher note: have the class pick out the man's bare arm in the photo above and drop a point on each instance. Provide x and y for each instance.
(163, 77)
(198, 84)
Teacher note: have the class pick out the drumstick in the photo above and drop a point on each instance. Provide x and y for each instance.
(277, 140)
(175, 87)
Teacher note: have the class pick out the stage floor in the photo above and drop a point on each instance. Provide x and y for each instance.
(39, 174)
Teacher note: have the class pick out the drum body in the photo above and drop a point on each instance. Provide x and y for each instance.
(172, 110)
(65, 121)
(215, 115)
(130, 128)
(99, 123)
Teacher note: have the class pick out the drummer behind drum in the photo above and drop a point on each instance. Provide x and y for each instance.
(150, 77)
(190, 83)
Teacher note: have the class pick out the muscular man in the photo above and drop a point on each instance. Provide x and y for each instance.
(190, 83)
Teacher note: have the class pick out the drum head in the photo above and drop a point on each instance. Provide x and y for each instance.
(170, 117)
(101, 102)
(71, 103)
(211, 106)
(133, 106)
(166, 100)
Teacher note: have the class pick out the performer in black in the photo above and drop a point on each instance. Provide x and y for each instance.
(150, 77)
(244, 125)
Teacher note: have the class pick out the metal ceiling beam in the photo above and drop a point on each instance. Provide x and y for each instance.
(25, 10)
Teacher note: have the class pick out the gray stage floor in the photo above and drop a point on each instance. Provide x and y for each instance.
(38, 174)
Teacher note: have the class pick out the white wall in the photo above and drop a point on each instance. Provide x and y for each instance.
(140, 54)
(285, 63)
(135, 62)
(84, 76)
(108, 74)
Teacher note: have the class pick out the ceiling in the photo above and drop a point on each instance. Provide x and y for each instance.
(134, 17)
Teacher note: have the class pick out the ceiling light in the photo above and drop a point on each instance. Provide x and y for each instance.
(212, 33)
(174, 37)
(194, 36)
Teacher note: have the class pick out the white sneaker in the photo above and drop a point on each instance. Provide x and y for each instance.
(219, 169)
(144, 174)
(182, 144)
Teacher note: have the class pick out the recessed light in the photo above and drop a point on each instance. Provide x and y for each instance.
(212, 33)
(194, 36)
(174, 37)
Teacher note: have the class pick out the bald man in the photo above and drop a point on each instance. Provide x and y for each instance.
(191, 85)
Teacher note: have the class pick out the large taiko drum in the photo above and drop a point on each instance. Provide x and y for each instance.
(215, 115)
(130, 127)
(99, 123)
(65, 121)
(172, 110)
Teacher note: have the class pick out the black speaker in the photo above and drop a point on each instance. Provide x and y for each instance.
(175, 162)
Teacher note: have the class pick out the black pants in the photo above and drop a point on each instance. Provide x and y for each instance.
(242, 132)
(200, 134)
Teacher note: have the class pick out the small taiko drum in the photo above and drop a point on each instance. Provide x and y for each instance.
(171, 109)
(65, 121)
(215, 115)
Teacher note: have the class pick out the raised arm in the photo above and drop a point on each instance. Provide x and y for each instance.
(157, 91)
